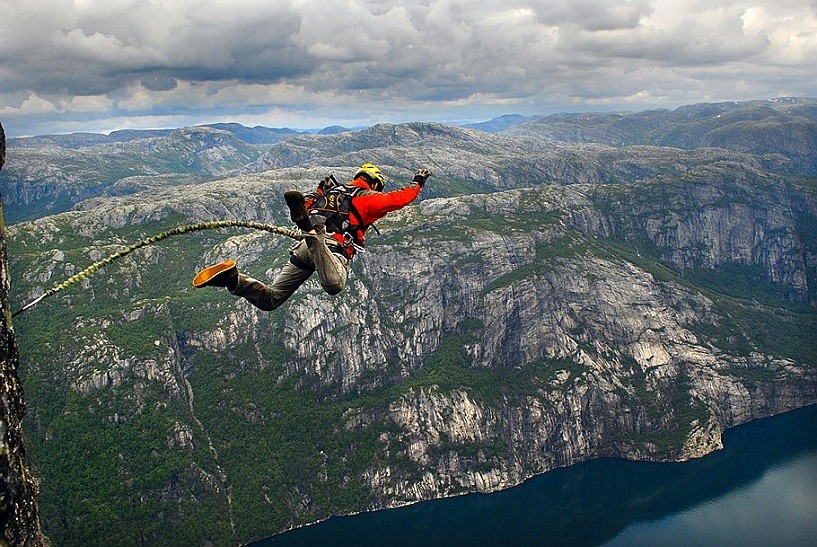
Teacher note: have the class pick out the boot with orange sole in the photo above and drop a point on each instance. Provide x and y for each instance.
(223, 274)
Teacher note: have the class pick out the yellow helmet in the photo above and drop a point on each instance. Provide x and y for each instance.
(373, 175)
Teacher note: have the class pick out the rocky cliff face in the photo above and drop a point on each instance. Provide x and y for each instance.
(780, 129)
(614, 358)
(48, 178)
(635, 310)
(19, 522)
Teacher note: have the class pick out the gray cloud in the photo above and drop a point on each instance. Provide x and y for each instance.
(158, 82)
(593, 15)
(96, 64)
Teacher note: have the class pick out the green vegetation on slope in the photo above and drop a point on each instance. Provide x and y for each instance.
(294, 449)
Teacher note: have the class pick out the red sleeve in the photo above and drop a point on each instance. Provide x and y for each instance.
(373, 207)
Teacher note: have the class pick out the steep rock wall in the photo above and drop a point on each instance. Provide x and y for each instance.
(482, 339)
(19, 523)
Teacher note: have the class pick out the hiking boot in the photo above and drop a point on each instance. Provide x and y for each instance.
(297, 209)
(223, 274)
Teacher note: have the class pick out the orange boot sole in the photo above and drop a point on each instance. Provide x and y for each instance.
(204, 277)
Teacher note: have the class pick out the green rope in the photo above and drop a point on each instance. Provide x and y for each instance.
(90, 270)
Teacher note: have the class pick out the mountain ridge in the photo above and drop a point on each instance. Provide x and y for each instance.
(587, 301)
(779, 133)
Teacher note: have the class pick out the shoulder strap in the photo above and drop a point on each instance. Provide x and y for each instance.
(352, 209)
(336, 206)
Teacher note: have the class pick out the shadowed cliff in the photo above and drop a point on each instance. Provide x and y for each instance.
(19, 523)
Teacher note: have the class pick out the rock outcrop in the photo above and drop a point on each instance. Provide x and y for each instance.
(19, 521)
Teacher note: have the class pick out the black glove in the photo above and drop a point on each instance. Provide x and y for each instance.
(327, 182)
(421, 175)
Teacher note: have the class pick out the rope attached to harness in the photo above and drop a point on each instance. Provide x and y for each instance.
(179, 230)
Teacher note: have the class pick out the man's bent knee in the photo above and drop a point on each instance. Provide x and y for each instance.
(334, 288)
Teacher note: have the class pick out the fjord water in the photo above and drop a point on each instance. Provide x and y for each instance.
(761, 489)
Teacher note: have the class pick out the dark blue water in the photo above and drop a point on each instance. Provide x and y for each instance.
(761, 489)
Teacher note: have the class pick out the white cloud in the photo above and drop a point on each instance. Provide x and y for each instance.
(87, 103)
(33, 104)
(151, 56)
(595, 15)
(36, 105)
(791, 35)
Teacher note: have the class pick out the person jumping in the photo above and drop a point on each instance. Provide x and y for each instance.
(334, 219)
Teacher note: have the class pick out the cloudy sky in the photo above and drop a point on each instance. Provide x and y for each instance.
(100, 65)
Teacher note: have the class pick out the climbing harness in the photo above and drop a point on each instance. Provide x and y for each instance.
(335, 206)
(333, 203)
(212, 225)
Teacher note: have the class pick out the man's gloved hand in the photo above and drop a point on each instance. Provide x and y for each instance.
(421, 175)
(327, 182)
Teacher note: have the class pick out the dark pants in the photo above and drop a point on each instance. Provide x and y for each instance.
(310, 255)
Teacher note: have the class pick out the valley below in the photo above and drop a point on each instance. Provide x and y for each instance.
(565, 289)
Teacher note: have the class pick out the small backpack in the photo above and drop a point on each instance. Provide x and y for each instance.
(336, 208)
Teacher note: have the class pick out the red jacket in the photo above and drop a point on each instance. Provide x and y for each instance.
(372, 206)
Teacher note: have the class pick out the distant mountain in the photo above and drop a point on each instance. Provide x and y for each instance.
(44, 177)
(476, 161)
(250, 135)
(257, 134)
(501, 123)
(561, 149)
(75, 141)
(333, 130)
(781, 128)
